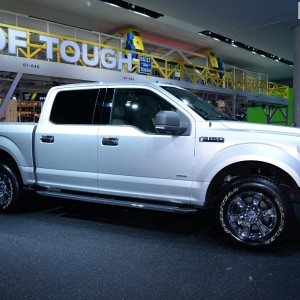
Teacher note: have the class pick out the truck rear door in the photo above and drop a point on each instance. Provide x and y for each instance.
(66, 142)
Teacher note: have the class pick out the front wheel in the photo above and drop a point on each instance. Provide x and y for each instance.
(9, 189)
(255, 212)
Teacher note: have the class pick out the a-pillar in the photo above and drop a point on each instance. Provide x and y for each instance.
(296, 75)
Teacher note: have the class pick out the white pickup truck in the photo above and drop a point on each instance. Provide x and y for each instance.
(157, 147)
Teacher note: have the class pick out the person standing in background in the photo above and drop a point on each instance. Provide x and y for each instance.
(221, 105)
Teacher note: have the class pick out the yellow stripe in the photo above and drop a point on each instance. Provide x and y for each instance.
(33, 95)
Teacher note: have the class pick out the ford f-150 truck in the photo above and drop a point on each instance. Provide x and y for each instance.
(157, 147)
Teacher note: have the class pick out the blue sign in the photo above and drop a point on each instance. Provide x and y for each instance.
(145, 65)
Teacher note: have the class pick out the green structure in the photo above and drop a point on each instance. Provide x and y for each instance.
(257, 114)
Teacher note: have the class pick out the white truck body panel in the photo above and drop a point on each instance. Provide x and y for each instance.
(16, 140)
(148, 166)
(156, 166)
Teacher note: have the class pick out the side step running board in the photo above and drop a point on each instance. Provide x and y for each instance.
(123, 203)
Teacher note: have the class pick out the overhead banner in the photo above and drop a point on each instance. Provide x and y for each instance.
(46, 47)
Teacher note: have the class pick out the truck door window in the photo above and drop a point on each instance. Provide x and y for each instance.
(138, 107)
(74, 107)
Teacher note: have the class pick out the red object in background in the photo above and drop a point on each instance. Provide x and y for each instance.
(167, 42)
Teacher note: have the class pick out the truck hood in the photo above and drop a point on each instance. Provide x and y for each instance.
(243, 126)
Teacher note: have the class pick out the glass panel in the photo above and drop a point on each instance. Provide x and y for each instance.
(198, 105)
(61, 30)
(32, 23)
(138, 107)
(74, 107)
(87, 36)
(7, 18)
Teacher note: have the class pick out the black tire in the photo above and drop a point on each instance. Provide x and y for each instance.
(254, 211)
(9, 189)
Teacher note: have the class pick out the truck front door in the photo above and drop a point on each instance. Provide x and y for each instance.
(134, 159)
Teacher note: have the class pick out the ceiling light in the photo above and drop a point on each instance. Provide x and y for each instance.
(114, 5)
(247, 47)
(141, 14)
(142, 11)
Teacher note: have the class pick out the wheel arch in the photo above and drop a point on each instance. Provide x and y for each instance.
(7, 159)
(244, 168)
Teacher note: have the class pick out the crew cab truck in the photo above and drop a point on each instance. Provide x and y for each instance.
(157, 147)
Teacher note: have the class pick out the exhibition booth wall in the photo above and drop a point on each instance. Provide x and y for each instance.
(257, 114)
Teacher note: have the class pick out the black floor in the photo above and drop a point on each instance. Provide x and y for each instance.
(64, 250)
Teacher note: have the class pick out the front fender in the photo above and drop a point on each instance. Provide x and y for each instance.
(251, 152)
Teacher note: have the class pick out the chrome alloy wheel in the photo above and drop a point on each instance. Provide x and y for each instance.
(6, 191)
(251, 216)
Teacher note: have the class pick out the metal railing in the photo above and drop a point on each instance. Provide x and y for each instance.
(161, 66)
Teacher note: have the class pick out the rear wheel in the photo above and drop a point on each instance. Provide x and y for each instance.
(9, 189)
(255, 211)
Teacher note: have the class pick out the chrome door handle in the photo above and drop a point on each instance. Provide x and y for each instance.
(47, 139)
(109, 141)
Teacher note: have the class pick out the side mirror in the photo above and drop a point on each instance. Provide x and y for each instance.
(168, 122)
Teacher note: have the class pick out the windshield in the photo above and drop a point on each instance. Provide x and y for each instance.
(198, 105)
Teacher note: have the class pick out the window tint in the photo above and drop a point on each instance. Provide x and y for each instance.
(74, 107)
(138, 107)
(198, 105)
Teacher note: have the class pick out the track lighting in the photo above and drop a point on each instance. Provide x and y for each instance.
(133, 8)
(247, 47)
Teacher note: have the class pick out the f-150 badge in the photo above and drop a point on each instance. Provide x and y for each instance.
(211, 139)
